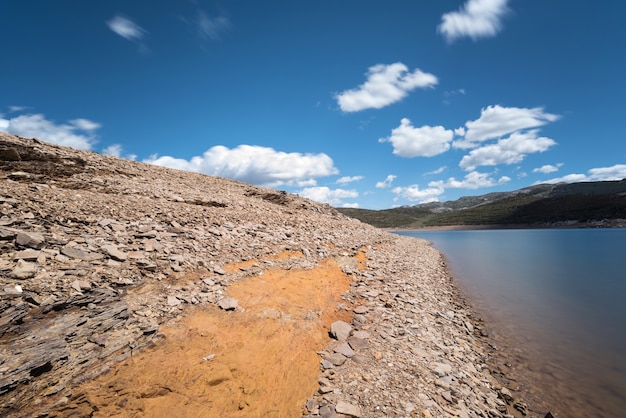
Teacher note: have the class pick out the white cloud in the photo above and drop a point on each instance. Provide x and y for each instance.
(78, 133)
(254, 164)
(385, 184)
(126, 28)
(414, 194)
(437, 171)
(13, 109)
(323, 194)
(548, 168)
(473, 180)
(570, 178)
(306, 183)
(386, 84)
(496, 121)
(475, 19)
(114, 150)
(350, 205)
(85, 124)
(348, 179)
(506, 151)
(426, 141)
(615, 172)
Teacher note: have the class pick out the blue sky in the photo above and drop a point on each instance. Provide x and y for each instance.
(357, 103)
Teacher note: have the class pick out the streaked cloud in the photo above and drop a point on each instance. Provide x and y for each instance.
(511, 150)
(77, 133)
(426, 141)
(211, 27)
(437, 171)
(475, 19)
(348, 179)
(126, 28)
(385, 84)
(324, 194)
(385, 184)
(254, 164)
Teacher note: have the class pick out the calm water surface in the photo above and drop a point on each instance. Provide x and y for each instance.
(555, 301)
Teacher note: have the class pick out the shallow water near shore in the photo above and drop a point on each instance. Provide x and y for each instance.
(553, 302)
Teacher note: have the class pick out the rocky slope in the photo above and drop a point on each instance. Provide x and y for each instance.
(99, 254)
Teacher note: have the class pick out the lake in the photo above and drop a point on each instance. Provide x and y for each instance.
(554, 302)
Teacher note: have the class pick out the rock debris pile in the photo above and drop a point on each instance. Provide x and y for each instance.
(96, 253)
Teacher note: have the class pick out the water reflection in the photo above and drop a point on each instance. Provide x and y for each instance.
(554, 300)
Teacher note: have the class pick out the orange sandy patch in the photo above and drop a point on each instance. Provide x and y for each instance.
(259, 362)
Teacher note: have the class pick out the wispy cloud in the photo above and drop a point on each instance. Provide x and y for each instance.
(385, 184)
(77, 133)
(348, 179)
(437, 171)
(254, 164)
(15, 109)
(211, 27)
(126, 28)
(475, 19)
(425, 141)
(386, 84)
(548, 168)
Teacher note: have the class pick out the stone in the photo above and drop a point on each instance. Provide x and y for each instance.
(348, 409)
(228, 303)
(337, 359)
(80, 285)
(23, 270)
(173, 301)
(113, 252)
(441, 369)
(74, 252)
(7, 234)
(340, 330)
(328, 411)
(27, 255)
(358, 343)
(345, 349)
(362, 309)
(29, 239)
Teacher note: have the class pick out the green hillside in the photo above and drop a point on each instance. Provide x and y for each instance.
(588, 204)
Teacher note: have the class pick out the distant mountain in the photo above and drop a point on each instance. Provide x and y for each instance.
(589, 204)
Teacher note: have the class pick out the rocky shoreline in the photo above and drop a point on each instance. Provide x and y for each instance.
(99, 253)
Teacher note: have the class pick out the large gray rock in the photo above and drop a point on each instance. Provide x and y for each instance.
(29, 239)
(340, 330)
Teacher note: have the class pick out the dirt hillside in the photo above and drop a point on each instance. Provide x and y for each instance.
(133, 290)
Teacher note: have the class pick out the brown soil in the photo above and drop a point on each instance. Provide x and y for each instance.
(259, 361)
